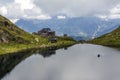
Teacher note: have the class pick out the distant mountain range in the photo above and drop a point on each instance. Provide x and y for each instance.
(77, 27)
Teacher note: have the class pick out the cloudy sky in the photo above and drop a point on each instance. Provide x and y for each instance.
(45, 9)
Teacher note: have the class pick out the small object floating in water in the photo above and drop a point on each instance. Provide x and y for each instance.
(98, 55)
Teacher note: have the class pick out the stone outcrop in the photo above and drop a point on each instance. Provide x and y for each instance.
(10, 32)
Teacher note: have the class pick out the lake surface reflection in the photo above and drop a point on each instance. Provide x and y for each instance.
(79, 62)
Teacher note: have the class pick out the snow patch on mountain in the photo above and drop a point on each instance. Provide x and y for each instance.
(96, 31)
(82, 34)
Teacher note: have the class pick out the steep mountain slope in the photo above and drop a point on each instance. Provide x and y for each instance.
(110, 39)
(13, 39)
(11, 33)
(85, 27)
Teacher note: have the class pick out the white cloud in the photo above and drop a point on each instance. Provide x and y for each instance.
(76, 8)
(44, 9)
(22, 9)
(114, 13)
(37, 17)
(115, 10)
(104, 17)
(3, 10)
(25, 4)
(14, 20)
(61, 17)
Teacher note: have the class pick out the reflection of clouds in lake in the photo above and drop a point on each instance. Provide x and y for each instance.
(79, 62)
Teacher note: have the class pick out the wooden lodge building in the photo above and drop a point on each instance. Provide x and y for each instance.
(45, 32)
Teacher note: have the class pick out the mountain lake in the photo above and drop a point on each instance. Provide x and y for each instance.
(78, 62)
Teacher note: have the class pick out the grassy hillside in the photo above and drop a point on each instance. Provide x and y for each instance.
(11, 33)
(111, 39)
(14, 39)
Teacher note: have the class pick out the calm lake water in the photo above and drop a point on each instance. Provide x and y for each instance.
(79, 62)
